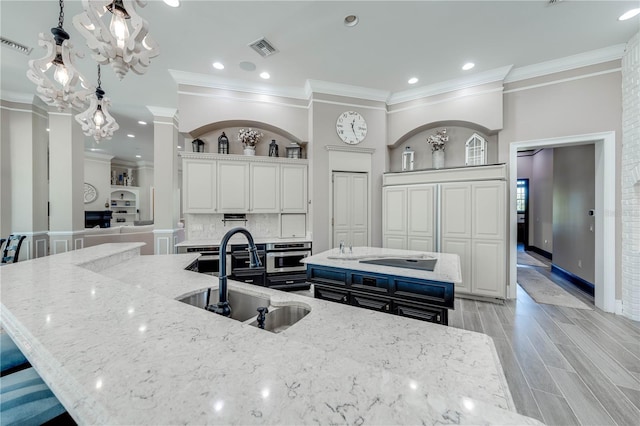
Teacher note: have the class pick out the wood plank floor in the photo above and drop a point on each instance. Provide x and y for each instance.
(564, 366)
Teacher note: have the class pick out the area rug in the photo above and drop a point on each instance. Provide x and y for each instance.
(525, 259)
(543, 290)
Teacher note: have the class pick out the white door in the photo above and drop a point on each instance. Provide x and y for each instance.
(350, 209)
(421, 217)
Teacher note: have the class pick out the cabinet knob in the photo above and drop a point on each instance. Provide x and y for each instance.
(386, 307)
(344, 298)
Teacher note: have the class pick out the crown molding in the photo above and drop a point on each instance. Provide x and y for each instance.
(162, 111)
(491, 76)
(97, 156)
(345, 90)
(349, 148)
(17, 97)
(213, 82)
(567, 63)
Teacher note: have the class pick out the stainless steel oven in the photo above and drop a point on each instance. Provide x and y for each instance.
(286, 257)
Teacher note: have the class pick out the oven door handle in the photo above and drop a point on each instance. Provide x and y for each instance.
(209, 257)
(288, 254)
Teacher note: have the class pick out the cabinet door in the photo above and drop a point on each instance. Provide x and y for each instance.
(394, 242)
(461, 247)
(199, 186)
(370, 302)
(264, 188)
(326, 293)
(394, 210)
(488, 268)
(488, 206)
(421, 217)
(456, 210)
(233, 187)
(293, 194)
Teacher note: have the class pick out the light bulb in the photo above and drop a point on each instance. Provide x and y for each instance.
(98, 118)
(61, 75)
(119, 29)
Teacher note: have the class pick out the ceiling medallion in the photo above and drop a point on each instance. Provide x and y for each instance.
(60, 91)
(124, 42)
(96, 120)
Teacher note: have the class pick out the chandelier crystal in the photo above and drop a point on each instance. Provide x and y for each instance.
(60, 90)
(96, 120)
(117, 35)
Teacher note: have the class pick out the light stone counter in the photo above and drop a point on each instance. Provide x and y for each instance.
(102, 328)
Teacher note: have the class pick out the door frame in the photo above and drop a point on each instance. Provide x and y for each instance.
(605, 207)
(526, 212)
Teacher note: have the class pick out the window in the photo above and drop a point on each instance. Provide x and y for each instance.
(475, 151)
(521, 196)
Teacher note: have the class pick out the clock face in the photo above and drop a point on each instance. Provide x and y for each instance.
(90, 193)
(351, 127)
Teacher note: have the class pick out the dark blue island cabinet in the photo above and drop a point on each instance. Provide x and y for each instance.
(421, 299)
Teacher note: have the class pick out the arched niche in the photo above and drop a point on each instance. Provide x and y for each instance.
(209, 133)
(459, 133)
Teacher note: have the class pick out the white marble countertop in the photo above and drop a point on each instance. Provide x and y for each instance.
(238, 239)
(447, 268)
(103, 329)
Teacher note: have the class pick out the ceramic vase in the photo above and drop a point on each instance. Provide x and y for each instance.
(250, 150)
(438, 159)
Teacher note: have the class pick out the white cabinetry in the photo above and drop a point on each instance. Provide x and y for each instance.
(470, 213)
(293, 188)
(408, 218)
(233, 186)
(199, 186)
(264, 188)
(124, 205)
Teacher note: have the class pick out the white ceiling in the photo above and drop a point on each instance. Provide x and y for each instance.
(394, 40)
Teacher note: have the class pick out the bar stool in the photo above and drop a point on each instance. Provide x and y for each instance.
(12, 249)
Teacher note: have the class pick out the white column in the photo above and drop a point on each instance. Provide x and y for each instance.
(24, 190)
(66, 177)
(165, 178)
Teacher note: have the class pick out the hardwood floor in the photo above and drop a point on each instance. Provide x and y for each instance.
(564, 366)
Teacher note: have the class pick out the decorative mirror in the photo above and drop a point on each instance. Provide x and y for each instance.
(475, 151)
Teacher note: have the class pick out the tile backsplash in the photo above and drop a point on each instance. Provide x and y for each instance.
(211, 226)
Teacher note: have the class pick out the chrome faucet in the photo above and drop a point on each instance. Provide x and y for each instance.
(223, 307)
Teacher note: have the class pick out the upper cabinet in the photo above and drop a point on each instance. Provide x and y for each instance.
(215, 183)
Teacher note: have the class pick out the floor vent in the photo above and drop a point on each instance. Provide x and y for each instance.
(15, 45)
(263, 47)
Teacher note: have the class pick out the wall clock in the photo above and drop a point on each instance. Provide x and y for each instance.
(90, 193)
(351, 127)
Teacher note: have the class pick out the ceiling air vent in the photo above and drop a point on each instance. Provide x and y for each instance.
(263, 47)
(15, 45)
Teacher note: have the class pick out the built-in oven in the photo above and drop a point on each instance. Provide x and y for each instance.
(209, 260)
(239, 269)
(284, 269)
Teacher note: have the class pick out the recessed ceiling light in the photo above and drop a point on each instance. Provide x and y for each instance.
(94, 149)
(468, 66)
(630, 14)
(412, 80)
(265, 75)
(218, 65)
(131, 135)
(138, 156)
(48, 129)
(142, 123)
(172, 3)
(351, 20)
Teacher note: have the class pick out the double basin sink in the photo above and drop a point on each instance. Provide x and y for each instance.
(244, 308)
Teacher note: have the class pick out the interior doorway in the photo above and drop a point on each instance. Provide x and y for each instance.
(350, 216)
(522, 208)
(604, 213)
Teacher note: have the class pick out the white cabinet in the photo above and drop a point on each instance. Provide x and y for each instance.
(264, 188)
(471, 221)
(293, 188)
(199, 186)
(408, 217)
(233, 185)
(124, 205)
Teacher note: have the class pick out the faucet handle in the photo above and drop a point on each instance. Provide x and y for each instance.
(262, 313)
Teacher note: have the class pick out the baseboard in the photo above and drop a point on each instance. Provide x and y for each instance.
(582, 284)
(539, 251)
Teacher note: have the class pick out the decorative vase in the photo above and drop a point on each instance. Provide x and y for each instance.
(250, 150)
(438, 159)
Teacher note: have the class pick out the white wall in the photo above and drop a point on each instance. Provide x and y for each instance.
(541, 197)
(97, 172)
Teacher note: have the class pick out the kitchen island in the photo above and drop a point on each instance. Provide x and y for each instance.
(103, 329)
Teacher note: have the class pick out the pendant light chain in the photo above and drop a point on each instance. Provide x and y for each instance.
(99, 80)
(61, 16)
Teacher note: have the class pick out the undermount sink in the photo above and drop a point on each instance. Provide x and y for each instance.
(243, 306)
(283, 317)
(410, 263)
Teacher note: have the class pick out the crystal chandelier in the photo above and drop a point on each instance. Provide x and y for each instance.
(60, 91)
(96, 120)
(124, 42)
